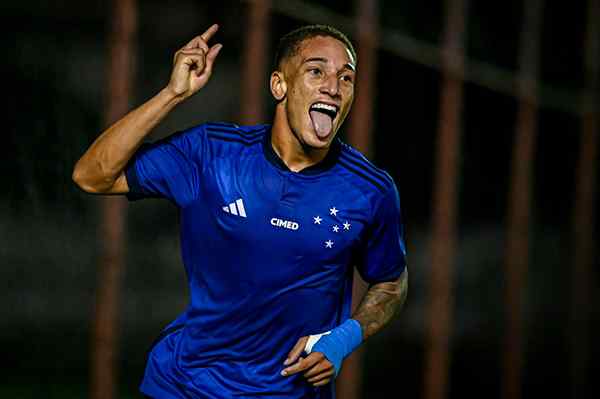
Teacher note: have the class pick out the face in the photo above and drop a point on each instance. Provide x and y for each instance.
(317, 89)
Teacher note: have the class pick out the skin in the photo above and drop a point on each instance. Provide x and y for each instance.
(380, 303)
(101, 168)
(321, 70)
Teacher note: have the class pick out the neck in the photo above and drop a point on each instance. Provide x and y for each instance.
(287, 146)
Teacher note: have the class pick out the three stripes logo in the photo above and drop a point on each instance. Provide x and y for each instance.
(236, 208)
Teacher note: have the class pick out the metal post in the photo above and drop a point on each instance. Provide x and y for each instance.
(349, 383)
(517, 250)
(360, 129)
(444, 212)
(254, 65)
(104, 357)
(584, 212)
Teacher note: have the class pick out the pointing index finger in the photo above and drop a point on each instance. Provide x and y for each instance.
(209, 32)
(201, 40)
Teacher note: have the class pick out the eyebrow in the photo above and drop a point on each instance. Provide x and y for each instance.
(348, 65)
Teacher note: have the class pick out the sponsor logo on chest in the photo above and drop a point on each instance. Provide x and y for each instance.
(285, 224)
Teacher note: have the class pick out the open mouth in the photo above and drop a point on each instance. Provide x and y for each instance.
(322, 116)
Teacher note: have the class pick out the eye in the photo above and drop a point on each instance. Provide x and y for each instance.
(347, 78)
(315, 71)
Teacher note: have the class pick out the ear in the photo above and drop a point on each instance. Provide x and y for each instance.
(278, 85)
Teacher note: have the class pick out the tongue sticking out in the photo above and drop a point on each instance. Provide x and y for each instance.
(322, 123)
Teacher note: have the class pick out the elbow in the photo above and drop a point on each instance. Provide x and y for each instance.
(85, 182)
(78, 177)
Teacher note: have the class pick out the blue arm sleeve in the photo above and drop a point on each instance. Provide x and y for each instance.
(169, 168)
(339, 343)
(383, 254)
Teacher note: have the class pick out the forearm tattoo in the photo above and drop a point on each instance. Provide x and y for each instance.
(380, 303)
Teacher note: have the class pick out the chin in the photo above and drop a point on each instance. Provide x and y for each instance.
(320, 145)
(316, 142)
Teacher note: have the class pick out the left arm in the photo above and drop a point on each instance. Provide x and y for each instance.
(381, 302)
(382, 252)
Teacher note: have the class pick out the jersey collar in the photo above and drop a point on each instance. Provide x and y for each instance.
(325, 164)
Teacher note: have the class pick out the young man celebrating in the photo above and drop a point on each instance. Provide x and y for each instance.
(273, 220)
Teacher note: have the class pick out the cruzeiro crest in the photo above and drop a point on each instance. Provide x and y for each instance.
(334, 224)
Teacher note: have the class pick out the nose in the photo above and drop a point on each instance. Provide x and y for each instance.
(331, 86)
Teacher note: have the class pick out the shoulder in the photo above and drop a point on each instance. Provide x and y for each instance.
(232, 133)
(228, 138)
(375, 185)
(363, 174)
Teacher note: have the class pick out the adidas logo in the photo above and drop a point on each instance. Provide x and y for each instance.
(236, 208)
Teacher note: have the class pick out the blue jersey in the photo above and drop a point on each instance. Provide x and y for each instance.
(269, 255)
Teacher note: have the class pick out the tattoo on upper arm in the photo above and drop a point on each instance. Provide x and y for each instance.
(380, 303)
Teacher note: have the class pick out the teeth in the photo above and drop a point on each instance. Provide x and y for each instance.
(325, 107)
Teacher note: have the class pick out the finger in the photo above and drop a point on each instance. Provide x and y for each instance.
(318, 369)
(209, 32)
(210, 58)
(196, 42)
(321, 364)
(201, 40)
(213, 52)
(192, 59)
(193, 51)
(302, 365)
(296, 351)
(322, 382)
(320, 376)
(187, 52)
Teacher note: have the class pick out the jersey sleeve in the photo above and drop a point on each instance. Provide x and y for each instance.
(383, 254)
(169, 168)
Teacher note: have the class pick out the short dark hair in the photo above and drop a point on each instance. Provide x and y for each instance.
(290, 42)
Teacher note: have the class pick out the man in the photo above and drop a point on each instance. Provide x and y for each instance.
(273, 219)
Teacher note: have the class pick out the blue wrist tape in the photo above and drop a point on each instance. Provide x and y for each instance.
(339, 343)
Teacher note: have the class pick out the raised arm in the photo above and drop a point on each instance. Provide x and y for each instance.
(101, 168)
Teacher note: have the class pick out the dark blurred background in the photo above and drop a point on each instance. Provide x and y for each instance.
(55, 86)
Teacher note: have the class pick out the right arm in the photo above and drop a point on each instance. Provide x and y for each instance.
(101, 169)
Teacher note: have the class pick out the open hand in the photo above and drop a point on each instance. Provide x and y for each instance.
(192, 64)
(315, 367)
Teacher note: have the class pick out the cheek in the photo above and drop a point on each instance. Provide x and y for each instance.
(349, 98)
(349, 92)
(345, 111)
(296, 110)
(299, 101)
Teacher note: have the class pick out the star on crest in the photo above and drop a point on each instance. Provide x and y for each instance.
(317, 219)
(333, 211)
(346, 226)
(328, 244)
(336, 228)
